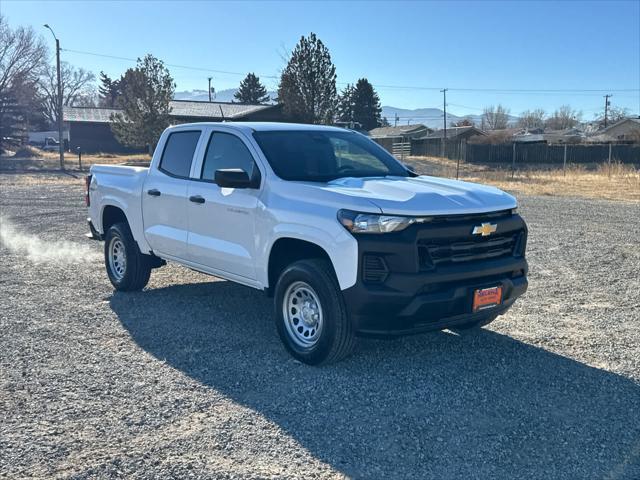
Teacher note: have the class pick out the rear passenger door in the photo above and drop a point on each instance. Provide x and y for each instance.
(164, 195)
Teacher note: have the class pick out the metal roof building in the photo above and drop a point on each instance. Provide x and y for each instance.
(89, 127)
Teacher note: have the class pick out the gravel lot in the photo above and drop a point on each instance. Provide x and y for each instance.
(188, 378)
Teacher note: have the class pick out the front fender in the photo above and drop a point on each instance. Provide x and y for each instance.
(340, 246)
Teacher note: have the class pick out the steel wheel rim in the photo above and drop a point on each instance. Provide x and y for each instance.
(117, 258)
(302, 314)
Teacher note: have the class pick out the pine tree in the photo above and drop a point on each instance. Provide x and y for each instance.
(307, 89)
(360, 104)
(148, 89)
(109, 90)
(366, 105)
(345, 107)
(251, 91)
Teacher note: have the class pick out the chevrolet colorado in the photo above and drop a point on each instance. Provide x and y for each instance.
(346, 239)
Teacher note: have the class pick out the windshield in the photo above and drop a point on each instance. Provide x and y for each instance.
(321, 156)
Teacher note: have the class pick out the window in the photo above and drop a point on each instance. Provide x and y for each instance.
(324, 155)
(226, 151)
(178, 153)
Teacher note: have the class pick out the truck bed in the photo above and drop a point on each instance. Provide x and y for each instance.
(119, 186)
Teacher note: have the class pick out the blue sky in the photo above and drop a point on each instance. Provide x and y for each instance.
(570, 45)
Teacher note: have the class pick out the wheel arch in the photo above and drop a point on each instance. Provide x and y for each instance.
(285, 251)
(113, 211)
(112, 214)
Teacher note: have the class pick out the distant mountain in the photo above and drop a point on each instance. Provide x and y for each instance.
(431, 117)
(220, 95)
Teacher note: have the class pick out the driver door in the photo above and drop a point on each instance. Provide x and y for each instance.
(221, 220)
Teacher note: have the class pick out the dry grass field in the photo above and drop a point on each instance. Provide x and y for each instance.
(615, 182)
(34, 159)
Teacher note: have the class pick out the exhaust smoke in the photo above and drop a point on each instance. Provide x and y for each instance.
(44, 251)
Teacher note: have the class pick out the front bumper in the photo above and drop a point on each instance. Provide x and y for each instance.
(411, 299)
(423, 302)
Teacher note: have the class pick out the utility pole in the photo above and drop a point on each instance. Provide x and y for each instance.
(210, 89)
(606, 109)
(59, 113)
(395, 124)
(444, 138)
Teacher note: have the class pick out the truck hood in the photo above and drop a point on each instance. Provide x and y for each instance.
(424, 195)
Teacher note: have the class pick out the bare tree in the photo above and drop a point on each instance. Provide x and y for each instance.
(465, 122)
(22, 56)
(563, 118)
(532, 119)
(78, 88)
(614, 114)
(496, 118)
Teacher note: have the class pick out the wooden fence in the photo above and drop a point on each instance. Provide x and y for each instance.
(401, 149)
(518, 153)
(432, 147)
(522, 153)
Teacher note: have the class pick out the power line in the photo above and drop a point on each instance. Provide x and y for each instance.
(382, 86)
(186, 67)
(540, 90)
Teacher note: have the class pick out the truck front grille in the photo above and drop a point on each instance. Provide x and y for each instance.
(433, 253)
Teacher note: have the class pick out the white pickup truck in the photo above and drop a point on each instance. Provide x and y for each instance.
(346, 239)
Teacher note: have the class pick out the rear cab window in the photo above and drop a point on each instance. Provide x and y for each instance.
(178, 153)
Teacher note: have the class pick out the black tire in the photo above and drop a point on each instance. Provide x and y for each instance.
(137, 266)
(336, 338)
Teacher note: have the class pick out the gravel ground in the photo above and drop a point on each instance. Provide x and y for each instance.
(188, 378)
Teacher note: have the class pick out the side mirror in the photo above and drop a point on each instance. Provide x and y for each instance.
(233, 178)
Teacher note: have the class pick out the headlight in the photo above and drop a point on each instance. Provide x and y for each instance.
(371, 223)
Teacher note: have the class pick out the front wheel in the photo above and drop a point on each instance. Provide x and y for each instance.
(128, 268)
(311, 316)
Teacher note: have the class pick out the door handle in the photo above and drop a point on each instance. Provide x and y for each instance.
(196, 199)
(154, 192)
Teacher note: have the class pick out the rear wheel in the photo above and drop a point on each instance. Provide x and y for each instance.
(311, 317)
(128, 268)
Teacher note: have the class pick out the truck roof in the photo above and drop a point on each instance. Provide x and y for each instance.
(264, 126)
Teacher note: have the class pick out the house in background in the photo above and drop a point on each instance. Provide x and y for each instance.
(453, 133)
(431, 143)
(90, 129)
(388, 136)
(625, 129)
(569, 135)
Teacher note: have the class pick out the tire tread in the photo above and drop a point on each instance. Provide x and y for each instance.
(138, 277)
(345, 338)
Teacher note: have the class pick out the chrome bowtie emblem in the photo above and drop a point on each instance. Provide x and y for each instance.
(485, 229)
